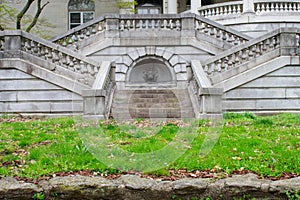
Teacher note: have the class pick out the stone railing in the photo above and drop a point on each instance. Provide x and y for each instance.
(284, 39)
(260, 7)
(51, 56)
(121, 23)
(227, 8)
(220, 32)
(263, 6)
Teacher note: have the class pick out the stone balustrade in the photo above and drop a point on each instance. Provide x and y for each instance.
(222, 33)
(58, 59)
(260, 7)
(227, 8)
(253, 49)
(122, 23)
(263, 6)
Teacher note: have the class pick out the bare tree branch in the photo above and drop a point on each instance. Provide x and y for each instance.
(37, 14)
(22, 13)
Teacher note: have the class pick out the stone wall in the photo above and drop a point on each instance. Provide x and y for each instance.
(278, 91)
(26, 94)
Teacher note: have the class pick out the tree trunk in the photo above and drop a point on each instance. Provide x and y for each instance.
(37, 15)
(22, 13)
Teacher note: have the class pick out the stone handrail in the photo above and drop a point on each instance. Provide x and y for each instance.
(170, 22)
(263, 6)
(236, 56)
(260, 7)
(58, 59)
(227, 8)
(219, 31)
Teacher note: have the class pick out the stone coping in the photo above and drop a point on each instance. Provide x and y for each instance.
(132, 187)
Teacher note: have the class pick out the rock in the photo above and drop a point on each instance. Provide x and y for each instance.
(10, 188)
(130, 187)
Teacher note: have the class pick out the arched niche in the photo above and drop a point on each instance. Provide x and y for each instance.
(150, 70)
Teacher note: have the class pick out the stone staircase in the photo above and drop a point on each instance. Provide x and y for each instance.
(154, 103)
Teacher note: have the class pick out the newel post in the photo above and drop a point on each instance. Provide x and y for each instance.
(211, 102)
(248, 6)
(12, 45)
(288, 41)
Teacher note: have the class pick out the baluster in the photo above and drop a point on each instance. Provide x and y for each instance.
(237, 58)
(125, 24)
(234, 11)
(277, 7)
(271, 45)
(81, 36)
(206, 28)
(212, 31)
(178, 25)
(218, 65)
(225, 10)
(158, 24)
(146, 24)
(122, 26)
(298, 7)
(251, 52)
(42, 52)
(231, 61)
(27, 46)
(239, 10)
(294, 6)
(90, 70)
(272, 7)
(267, 43)
(35, 49)
(55, 57)
(100, 27)
(63, 60)
(77, 67)
(258, 50)
(219, 33)
(229, 10)
(213, 12)
(258, 9)
(63, 42)
(221, 10)
(94, 31)
(298, 40)
(263, 9)
(72, 64)
(88, 32)
(264, 46)
(209, 13)
(153, 24)
(224, 36)
(235, 40)
(267, 7)
(281, 7)
(171, 24)
(244, 55)
(217, 11)
(288, 6)
(230, 39)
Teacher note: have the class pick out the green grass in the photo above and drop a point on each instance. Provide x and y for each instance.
(265, 145)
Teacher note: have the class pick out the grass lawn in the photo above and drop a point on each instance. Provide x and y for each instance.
(268, 146)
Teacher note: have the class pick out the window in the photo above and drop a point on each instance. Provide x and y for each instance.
(80, 11)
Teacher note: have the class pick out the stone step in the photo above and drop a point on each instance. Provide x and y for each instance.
(167, 103)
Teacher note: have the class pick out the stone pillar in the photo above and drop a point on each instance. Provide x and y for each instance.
(94, 104)
(172, 6)
(12, 45)
(248, 6)
(195, 4)
(211, 103)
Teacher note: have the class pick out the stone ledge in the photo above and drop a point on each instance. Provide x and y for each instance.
(133, 187)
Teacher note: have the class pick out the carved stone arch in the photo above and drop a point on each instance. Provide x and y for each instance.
(175, 62)
(150, 70)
